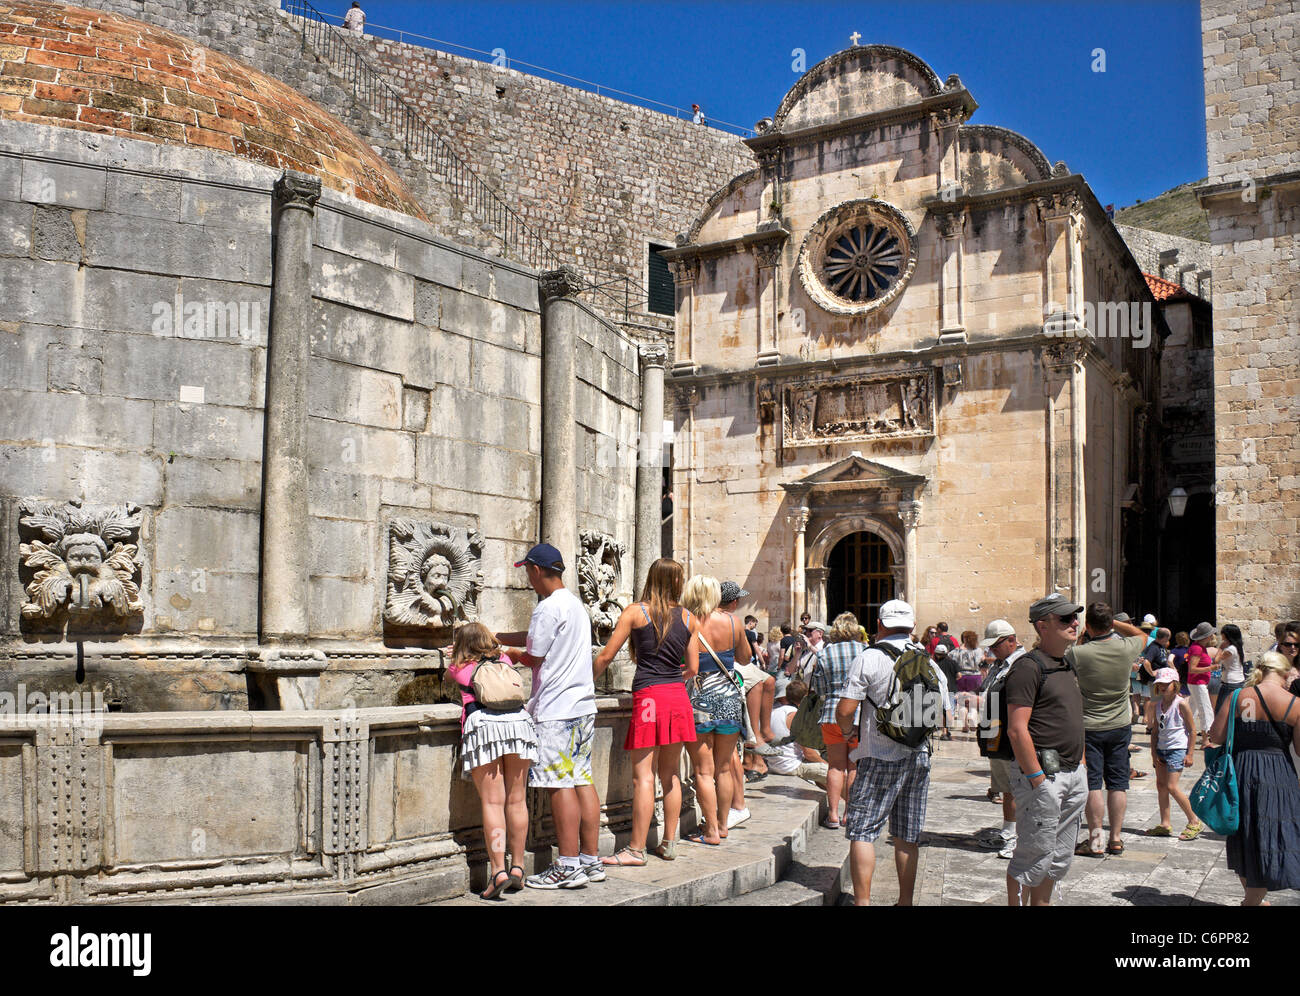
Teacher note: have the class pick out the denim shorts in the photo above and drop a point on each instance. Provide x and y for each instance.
(1172, 759)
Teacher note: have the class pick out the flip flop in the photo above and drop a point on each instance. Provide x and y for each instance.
(1191, 834)
(829, 824)
(698, 838)
(500, 882)
(619, 861)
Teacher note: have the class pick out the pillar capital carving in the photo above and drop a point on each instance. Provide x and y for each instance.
(684, 395)
(684, 271)
(768, 158)
(910, 513)
(297, 190)
(768, 255)
(653, 355)
(950, 222)
(1063, 357)
(563, 282)
(798, 518)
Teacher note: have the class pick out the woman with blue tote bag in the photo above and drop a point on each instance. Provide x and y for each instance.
(1259, 722)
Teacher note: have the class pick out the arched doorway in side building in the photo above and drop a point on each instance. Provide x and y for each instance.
(860, 578)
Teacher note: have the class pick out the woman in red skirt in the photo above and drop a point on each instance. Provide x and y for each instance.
(666, 650)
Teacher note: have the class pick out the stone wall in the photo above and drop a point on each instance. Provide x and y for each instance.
(424, 403)
(362, 807)
(598, 179)
(1187, 262)
(1253, 197)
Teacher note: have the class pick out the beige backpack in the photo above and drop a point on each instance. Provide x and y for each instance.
(502, 687)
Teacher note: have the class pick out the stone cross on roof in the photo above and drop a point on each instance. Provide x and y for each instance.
(855, 37)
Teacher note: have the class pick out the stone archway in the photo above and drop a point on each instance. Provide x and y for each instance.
(817, 570)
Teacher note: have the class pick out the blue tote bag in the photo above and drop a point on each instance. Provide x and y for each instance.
(1214, 798)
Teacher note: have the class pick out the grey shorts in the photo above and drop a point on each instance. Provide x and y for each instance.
(1000, 775)
(1047, 824)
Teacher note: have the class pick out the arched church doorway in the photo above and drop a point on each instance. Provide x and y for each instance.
(860, 578)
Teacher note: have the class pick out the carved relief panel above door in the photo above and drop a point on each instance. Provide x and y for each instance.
(850, 409)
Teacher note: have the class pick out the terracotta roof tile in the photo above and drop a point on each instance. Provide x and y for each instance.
(1166, 290)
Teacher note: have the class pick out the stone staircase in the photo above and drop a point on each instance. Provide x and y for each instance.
(779, 857)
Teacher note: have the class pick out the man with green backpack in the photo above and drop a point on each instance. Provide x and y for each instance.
(904, 695)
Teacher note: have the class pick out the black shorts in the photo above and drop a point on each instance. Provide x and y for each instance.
(1107, 755)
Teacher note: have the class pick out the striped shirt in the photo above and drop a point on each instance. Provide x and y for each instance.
(831, 672)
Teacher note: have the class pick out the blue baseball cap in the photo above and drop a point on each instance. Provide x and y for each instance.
(543, 555)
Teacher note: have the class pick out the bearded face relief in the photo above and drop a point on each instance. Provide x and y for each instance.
(79, 563)
(435, 574)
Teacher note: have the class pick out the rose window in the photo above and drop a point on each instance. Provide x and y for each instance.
(862, 262)
(858, 257)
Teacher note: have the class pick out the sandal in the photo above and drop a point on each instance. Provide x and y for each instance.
(1115, 847)
(516, 881)
(621, 857)
(830, 824)
(1138, 774)
(500, 882)
(1191, 832)
(1084, 850)
(667, 850)
(698, 838)
(1160, 830)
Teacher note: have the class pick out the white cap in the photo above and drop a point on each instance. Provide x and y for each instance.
(995, 631)
(1149, 620)
(896, 614)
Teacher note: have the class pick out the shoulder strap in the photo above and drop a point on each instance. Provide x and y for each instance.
(1278, 728)
(1232, 720)
(732, 620)
(889, 650)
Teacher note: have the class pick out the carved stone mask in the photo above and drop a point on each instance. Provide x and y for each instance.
(436, 573)
(84, 554)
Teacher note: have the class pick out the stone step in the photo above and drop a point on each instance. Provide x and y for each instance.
(817, 875)
(785, 815)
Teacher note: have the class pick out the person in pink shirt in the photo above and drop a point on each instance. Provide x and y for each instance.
(1199, 665)
(497, 748)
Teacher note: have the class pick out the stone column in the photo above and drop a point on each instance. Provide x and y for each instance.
(798, 521)
(815, 579)
(286, 545)
(649, 469)
(1064, 388)
(768, 258)
(910, 512)
(559, 449)
(684, 272)
(951, 224)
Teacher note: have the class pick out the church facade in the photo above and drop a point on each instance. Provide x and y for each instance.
(913, 359)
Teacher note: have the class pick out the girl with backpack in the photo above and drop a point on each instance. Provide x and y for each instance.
(663, 640)
(497, 746)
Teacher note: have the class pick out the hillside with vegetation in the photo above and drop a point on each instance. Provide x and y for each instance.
(1175, 212)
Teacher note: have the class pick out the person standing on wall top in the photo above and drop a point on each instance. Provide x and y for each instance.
(355, 19)
(557, 647)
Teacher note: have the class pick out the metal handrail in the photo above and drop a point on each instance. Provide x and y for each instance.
(498, 58)
(421, 141)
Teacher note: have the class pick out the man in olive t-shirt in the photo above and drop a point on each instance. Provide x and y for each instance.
(1105, 668)
(1045, 714)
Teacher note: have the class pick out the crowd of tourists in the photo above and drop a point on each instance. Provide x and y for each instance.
(858, 715)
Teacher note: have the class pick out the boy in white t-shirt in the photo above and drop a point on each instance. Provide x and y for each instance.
(557, 647)
(793, 758)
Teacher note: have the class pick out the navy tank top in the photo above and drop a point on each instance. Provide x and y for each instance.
(660, 663)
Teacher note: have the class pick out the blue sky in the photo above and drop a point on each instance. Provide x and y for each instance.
(1133, 131)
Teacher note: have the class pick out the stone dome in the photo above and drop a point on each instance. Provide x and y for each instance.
(101, 72)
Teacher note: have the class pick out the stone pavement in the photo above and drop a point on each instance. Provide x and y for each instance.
(955, 870)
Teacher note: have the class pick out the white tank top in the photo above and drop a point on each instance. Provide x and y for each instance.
(1233, 674)
(1173, 733)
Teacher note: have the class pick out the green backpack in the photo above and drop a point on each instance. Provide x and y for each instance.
(805, 724)
(913, 712)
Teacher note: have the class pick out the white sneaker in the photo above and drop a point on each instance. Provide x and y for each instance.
(595, 871)
(736, 817)
(557, 877)
(1010, 849)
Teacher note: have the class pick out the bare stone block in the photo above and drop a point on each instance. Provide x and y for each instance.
(338, 607)
(516, 289)
(345, 448)
(361, 284)
(76, 420)
(23, 357)
(206, 431)
(341, 548)
(229, 483)
(416, 404)
(15, 228)
(354, 394)
(143, 196)
(341, 495)
(428, 306)
(209, 538)
(54, 235)
(75, 369)
(220, 208)
(66, 185)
